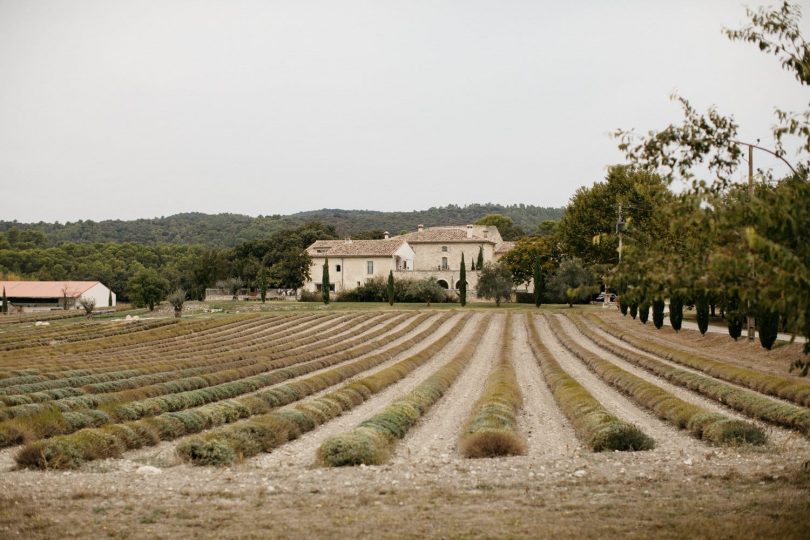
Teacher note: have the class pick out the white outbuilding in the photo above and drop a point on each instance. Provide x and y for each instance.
(47, 295)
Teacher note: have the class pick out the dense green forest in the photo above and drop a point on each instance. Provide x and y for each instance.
(229, 230)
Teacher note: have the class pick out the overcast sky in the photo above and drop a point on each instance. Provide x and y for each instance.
(126, 109)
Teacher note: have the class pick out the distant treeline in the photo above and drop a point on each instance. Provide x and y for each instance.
(230, 230)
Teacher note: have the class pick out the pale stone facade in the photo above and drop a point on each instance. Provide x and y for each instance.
(427, 252)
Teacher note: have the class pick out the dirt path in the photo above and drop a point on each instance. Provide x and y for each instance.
(667, 438)
(782, 438)
(437, 432)
(547, 430)
(301, 452)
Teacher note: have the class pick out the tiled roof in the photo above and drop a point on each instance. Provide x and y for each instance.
(444, 234)
(504, 247)
(355, 248)
(45, 289)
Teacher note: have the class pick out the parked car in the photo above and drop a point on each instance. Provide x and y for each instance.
(600, 298)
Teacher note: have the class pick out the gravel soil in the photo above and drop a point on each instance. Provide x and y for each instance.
(682, 488)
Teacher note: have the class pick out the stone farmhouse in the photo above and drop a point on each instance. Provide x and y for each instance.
(426, 252)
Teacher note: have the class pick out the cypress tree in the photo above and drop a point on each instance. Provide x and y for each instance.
(767, 326)
(462, 285)
(389, 290)
(675, 312)
(633, 310)
(622, 307)
(644, 311)
(472, 266)
(480, 261)
(5, 301)
(734, 318)
(658, 313)
(325, 282)
(109, 299)
(702, 310)
(538, 282)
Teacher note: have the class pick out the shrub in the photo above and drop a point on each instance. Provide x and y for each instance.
(767, 327)
(658, 313)
(675, 312)
(644, 311)
(702, 309)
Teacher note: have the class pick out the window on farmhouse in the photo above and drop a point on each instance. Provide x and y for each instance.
(337, 268)
(444, 263)
(369, 267)
(444, 248)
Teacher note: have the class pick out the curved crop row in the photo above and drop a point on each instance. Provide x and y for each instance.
(745, 401)
(254, 366)
(49, 421)
(72, 333)
(491, 429)
(106, 382)
(180, 346)
(782, 387)
(371, 442)
(71, 450)
(701, 423)
(31, 361)
(595, 426)
(264, 432)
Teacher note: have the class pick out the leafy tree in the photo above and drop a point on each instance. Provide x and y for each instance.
(88, 304)
(389, 290)
(462, 285)
(588, 230)
(480, 262)
(494, 281)
(537, 278)
(176, 299)
(428, 290)
(573, 282)
(548, 228)
(506, 227)
(232, 286)
(325, 282)
(522, 259)
(147, 288)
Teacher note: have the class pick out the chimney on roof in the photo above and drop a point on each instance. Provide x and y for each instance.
(386, 235)
(469, 231)
(486, 232)
(420, 227)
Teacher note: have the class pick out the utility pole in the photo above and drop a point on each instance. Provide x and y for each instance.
(749, 319)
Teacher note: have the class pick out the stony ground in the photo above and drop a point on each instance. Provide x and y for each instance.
(683, 488)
